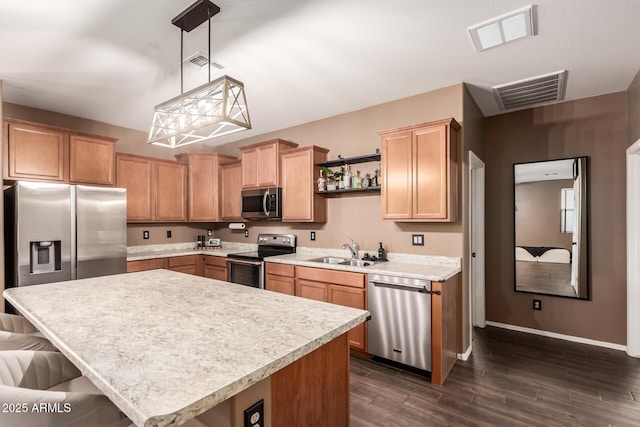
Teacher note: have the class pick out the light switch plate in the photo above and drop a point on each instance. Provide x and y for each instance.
(417, 239)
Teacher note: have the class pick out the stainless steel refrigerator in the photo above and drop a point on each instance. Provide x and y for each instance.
(58, 232)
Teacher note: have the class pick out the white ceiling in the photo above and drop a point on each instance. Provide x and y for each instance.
(300, 60)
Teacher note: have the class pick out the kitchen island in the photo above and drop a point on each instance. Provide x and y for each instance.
(166, 347)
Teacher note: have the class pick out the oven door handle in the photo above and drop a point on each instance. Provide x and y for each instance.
(264, 203)
(243, 262)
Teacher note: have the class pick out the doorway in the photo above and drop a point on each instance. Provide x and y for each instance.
(633, 250)
(476, 254)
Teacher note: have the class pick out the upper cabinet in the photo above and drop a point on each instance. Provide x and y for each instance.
(91, 160)
(300, 201)
(204, 193)
(230, 191)
(261, 163)
(46, 153)
(420, 172)
(156, 189)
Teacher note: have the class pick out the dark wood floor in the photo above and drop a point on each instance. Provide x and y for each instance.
(511, 379)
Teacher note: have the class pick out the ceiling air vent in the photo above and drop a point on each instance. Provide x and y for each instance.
(533, 91)
(199, 60)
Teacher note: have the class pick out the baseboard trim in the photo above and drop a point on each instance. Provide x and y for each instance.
(465, 356)
(559, 336)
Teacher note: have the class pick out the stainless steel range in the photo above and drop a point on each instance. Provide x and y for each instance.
(247, 268)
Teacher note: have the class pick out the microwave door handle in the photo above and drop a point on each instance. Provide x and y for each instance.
(264, 203)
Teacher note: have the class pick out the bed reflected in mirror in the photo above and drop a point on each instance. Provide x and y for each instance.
(551, 241)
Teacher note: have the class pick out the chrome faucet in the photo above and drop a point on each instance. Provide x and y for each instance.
(353, 247)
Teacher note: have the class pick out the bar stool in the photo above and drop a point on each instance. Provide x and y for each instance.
(45, 389)
(15, 323)
(16, 341)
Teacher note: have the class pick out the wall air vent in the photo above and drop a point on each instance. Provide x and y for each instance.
(530, 92)
(199, 61)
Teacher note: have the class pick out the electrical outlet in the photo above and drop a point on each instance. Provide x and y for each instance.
(168, 234)
(313, 235)
(417, 239)
(246, 233)
(145, 234)
(254, 415)
(537, 304)
(209, 232)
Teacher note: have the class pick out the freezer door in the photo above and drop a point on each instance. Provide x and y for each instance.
(101, 233)
(38, 233)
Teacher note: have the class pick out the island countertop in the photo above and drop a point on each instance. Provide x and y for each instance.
(166, 346)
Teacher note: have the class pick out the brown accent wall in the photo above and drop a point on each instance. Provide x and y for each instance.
(633, 110)
(594, 127)
(538, 214)
(1, 218)
(359, 216)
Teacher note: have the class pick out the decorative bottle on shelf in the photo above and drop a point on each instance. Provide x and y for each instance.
(366, 181)
(322, 183)
(346, 179)
(374, 179)
(382, 254)
(341, 179)
(355, 181)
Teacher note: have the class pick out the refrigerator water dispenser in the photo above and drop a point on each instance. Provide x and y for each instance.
(45, 257)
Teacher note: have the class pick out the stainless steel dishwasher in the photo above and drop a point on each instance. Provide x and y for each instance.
(400, 325)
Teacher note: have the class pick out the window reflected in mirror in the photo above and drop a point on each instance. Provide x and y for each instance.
(551, 241)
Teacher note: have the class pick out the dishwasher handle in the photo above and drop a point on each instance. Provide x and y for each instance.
(407, 287)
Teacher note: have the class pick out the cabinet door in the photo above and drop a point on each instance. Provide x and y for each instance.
(231, 187)
(250, 168)
(430, 173)
(396, 176)
(203, 190)
(35, 153)
(284, 285)
(187, 269)
(312, 290)
(170, 191)
(215, 267)
(297, 186)
(356, 298)
(91, 160)
(268, 166)
(136, 175)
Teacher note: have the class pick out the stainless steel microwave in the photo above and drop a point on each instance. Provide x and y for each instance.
(262, 203)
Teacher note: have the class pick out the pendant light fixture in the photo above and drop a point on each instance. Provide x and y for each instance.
(214, 109)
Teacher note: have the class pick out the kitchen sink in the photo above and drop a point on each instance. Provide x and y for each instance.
(343, 261)
(330, 260)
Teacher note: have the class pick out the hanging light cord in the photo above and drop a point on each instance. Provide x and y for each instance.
(209, 53)
(181, 61)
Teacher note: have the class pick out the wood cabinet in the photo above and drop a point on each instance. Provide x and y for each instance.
(91, 160)
(444, 327)
(147, 264)
(204, 185)
(300, 202)
(184, 264)
(156, 189)
(45, 153)
(135, 173)
(230, 191)
(261, 163)
(215, 267)
(337, 287)
(420, 172)
(280, 278)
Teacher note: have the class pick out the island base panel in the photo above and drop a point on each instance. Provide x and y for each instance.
(314, 390)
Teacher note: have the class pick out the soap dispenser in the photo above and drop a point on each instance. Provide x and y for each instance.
(382, 254)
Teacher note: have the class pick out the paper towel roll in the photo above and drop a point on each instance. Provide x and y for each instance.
(237, 225)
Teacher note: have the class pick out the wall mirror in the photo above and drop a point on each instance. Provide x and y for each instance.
(551, 228)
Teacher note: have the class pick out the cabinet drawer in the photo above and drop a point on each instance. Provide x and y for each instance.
(346, 278)
(146, 264)
(281, 269)
(218, 261)
(180, 261)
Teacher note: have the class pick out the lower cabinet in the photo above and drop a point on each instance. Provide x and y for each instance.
(184, 264)
(337, 287)
(280, 278)
(215, 267)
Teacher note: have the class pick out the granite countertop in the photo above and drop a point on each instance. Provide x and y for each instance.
(166, 346)
(139, 253)
(433, 268)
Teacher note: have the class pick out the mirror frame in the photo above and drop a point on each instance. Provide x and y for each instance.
(587, 228)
